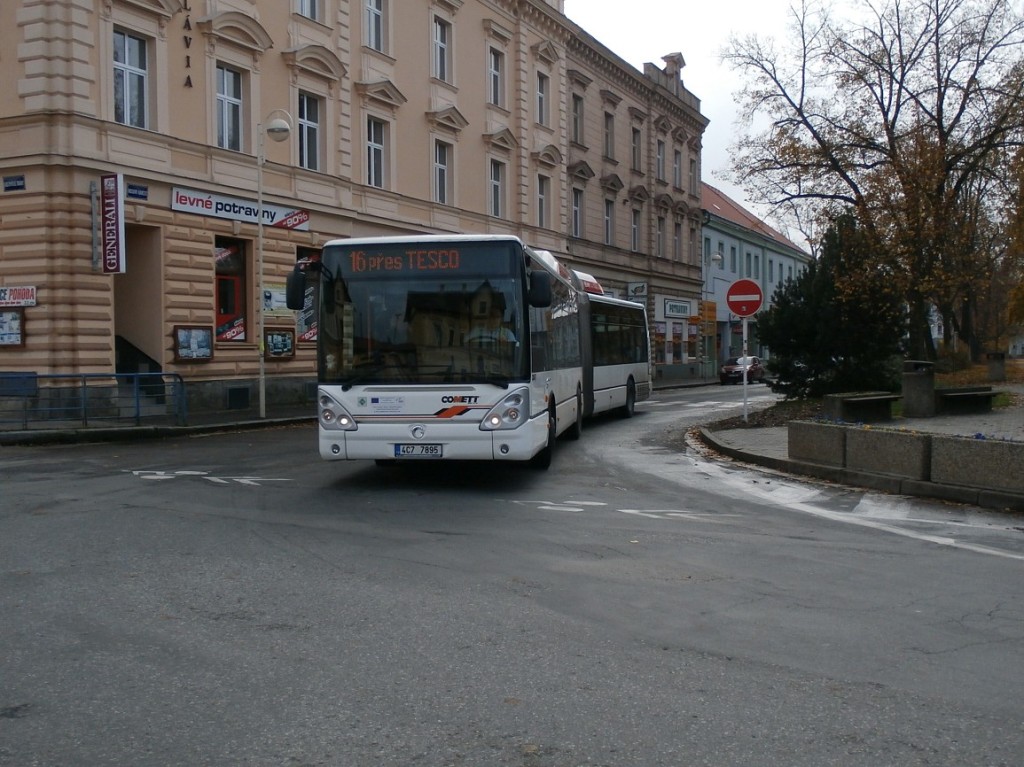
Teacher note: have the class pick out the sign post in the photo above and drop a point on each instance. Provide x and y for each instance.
(744, 298)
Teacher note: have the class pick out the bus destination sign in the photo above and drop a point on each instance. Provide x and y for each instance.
(361, 262)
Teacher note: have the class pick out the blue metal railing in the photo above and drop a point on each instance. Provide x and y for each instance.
(31, 400)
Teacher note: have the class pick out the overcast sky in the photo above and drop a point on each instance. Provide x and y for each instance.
(642, 31)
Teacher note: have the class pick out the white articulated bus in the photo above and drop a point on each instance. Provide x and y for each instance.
(452, 347)
(619, 352)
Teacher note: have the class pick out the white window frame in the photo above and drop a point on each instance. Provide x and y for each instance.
(609, 135)
(609, 222)
(543, 97)
(497, 174)
(375, 15)
(310, 9)
(495, 76)
(442, 60)
(310, 149)
(543, 200)
(229, 107)
(444, 158)
(376, 152)
(577, 212)
(578, 110)
(634, 230)
(677, 170)
(134, 79)
(660, 161)
(677, 242)
(636, 147)
(659, 240)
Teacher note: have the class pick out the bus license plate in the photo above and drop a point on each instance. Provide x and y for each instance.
(417, 451)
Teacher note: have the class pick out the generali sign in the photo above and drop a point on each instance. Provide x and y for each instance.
(237, 209)
(112, 223)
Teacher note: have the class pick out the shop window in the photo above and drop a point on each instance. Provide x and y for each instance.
(230, 294)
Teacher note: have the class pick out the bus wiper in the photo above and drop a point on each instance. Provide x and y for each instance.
(502, 381)
(369, 370)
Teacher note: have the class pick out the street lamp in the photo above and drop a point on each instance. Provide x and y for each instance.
(277, 125)
(715, 258)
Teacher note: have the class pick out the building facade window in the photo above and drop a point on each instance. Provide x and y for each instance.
(543, 193)
(311, 9)
(577, 212)
(376, 24)
(693, 254)
(693, 177)
(677, 242)
(659, 239)
(543, 96)
(496, 77)
(660, 161)
(376, 136)
(677, 169)
(229, 108)
(496, 181)
(609, 222)
(131, 80)
(443, 172)
(634, 231)
(442, 50)
(609, 135)
(309, 131)
(637, 148)
(577, 118)
(732, 259)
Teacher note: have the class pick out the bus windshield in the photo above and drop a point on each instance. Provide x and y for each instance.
(399, 313)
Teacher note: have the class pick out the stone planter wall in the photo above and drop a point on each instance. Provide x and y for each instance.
(879, 451)
(817, 442)
(982, 463)
(965, 462)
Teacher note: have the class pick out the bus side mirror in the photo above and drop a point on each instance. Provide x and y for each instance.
(295, 289)
(540, 289)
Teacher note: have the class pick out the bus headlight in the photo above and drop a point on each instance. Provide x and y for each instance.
(510, 413)
(333, 415)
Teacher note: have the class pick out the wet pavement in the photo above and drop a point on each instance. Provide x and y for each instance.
(763, 446)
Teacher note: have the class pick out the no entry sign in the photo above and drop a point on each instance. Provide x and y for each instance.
(744, 298)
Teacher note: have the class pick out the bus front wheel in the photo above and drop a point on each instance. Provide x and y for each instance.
(543, 459)
(629, 409)
(576, 430)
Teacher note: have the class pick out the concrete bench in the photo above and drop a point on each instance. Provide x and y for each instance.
(860, 406)
(965, 400)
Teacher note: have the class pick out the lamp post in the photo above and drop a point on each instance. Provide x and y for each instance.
(277, 125)
(709, 259)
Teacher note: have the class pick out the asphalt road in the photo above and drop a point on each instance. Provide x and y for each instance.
(233, 600)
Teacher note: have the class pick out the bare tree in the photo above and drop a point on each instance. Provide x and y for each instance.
(906, 113)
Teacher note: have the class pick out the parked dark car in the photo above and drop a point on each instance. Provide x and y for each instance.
(732, 370)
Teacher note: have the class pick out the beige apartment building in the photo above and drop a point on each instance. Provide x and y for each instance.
(131, 140)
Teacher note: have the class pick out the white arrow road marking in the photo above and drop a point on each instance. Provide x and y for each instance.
(153, 474)
(695, 516)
